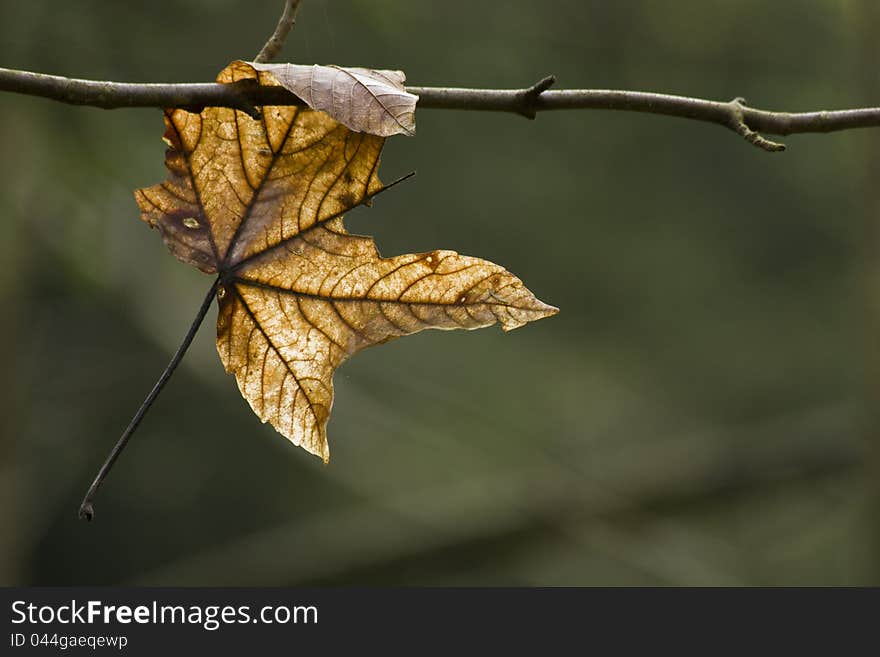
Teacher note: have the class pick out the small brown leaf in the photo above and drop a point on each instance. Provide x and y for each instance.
(260, 202)
(359, 98)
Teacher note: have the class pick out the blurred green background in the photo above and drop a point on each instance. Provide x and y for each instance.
(701, 411)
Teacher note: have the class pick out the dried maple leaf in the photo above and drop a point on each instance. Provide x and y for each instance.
(260, 203)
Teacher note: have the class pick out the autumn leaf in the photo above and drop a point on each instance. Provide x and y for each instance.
(359, 98)
(260, 203)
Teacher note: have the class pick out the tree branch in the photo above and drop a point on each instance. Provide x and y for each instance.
(273, 46)
(246, 96)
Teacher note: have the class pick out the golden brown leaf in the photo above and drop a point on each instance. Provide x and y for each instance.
(260, 203)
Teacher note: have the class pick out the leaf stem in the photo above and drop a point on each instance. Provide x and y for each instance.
(86, 509)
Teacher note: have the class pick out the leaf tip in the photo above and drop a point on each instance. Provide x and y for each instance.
(534, 310)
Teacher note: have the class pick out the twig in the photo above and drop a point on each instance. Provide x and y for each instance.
(273, 46)
(245, 96)
(86, 510)
(739, 126)
(527, 101)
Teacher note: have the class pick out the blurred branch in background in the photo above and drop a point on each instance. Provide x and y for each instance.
(547, 498)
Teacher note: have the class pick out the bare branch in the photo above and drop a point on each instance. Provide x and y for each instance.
(246, 96)
(273, 46)
(113, 95)
(734, 115)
